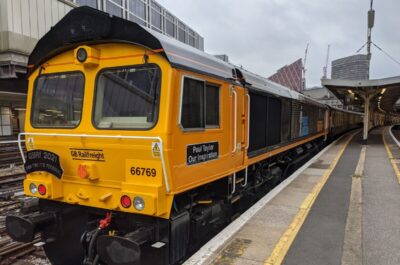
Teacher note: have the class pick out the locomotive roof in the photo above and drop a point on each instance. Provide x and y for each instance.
(85, 25)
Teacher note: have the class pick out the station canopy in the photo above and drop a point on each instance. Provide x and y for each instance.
(382, 93)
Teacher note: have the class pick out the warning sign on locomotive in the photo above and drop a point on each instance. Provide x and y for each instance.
(199, 153)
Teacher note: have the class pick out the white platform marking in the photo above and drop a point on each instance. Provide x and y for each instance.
(394, 138)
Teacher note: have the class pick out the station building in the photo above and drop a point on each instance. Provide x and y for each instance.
(24, 22)
(354, 67)
(323, 95)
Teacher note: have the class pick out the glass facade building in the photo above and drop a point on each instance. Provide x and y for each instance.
(149, 13)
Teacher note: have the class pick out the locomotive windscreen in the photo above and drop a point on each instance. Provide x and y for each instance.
(57, 100)
(127, 97)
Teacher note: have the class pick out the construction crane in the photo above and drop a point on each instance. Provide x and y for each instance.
(325, 69)
(304, 67)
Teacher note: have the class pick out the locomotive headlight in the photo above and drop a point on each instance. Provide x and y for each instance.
(138, 203)
(87, 56)
(81, 55)
(33, 188)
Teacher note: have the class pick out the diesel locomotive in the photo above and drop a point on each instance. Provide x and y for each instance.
(141, 147)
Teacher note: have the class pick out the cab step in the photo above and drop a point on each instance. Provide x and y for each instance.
(235, 198)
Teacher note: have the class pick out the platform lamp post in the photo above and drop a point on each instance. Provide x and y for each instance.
(367, 97)
(371, 21)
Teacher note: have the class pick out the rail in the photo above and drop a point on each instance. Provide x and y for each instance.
(158, 138)
(393, 137)
(9, 153)
(10, 142)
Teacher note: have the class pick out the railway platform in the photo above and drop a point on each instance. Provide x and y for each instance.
(342, 207)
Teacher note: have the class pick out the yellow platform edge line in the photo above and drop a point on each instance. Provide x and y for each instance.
(286, 240)
(390, 156)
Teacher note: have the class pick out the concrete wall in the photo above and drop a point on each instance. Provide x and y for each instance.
(22, 23)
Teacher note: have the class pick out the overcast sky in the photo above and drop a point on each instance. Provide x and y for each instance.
(264, 35)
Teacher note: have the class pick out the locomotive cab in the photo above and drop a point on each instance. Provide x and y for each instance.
(95, 131)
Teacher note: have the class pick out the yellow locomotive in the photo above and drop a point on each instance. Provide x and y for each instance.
(139, 147)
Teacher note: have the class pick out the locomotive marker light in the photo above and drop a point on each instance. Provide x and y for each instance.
(88, 56)
(81, 55)
(42, 189)
(126, 201)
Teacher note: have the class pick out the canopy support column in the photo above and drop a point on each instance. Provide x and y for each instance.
(366, 118)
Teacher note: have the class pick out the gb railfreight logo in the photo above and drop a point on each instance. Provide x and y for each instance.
(87, 154)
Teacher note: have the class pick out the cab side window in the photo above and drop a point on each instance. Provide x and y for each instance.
(200, 105)
(192, 115)
(212, 106)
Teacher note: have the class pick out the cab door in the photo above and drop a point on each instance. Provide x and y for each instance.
(202, 140)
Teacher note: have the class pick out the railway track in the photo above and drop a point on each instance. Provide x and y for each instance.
(12, 252)
(396, 132)
(9, 153)
(11, 200)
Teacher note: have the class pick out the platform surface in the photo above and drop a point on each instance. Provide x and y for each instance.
(381, 203)
(343, 207)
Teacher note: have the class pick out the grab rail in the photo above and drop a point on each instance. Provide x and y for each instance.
(248, 120)
(235, 123)
(234, 183)
(245, 178)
